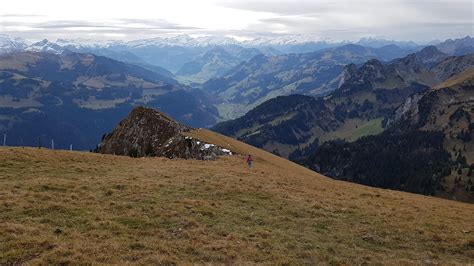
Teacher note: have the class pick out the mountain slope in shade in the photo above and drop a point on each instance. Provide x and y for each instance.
(265, 77)
(369, 95)
(427, 148)
(214, 63)
(174, 52)
(73, 98)
(123, 56)
(281, 124)
(169, 57)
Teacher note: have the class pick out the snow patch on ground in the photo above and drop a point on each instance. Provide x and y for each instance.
(226, 151)
(207, 146)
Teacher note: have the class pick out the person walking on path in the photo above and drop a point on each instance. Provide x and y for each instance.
(249, 161)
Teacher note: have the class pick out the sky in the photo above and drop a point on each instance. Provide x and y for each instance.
(417, 20)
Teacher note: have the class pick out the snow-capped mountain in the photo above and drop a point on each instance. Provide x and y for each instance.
(9, 44)
(380, 42)
(173, 54)
(180, 40)
(184, 40)
(288, 43)
(290, 39)
(216, 40)
(86, 43)
(45, 46)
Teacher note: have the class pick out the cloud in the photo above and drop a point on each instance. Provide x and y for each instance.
(115, 24)
(419, 20)
(281, 7)
(289, 8)
(116, 27)
(8, 15)
(416, 20)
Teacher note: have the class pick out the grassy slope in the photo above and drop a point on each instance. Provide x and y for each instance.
(372, 127)
(456, 79)
(60, 206)
(355, 129)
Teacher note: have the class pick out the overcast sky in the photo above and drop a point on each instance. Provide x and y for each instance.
(418, 20)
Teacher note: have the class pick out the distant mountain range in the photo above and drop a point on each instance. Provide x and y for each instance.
(206, 41)
(286, 43)
(315, 74)
(369, 94)
(190, 58)
(74, 97)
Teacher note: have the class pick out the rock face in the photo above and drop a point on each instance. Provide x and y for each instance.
(148, 132)
(447, 108)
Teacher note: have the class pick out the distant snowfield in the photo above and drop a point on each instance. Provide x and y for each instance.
(10, 43)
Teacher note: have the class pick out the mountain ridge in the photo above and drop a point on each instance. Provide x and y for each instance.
(264, 77)
(368, 95)
(52, 96)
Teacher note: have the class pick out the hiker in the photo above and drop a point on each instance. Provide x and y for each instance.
(249, 161)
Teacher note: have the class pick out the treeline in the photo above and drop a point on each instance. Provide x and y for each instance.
(414, 161)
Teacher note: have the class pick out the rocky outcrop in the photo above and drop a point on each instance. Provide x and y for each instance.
(453, 65)
(441, 108)
(148, 132)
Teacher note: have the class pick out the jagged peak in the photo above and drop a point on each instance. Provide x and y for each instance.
(373, 62)
(142, 110)
(351, 67)
(429, 50)
(370, 66)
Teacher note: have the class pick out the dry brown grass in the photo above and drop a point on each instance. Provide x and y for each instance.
(456, 79)
(74, 207)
